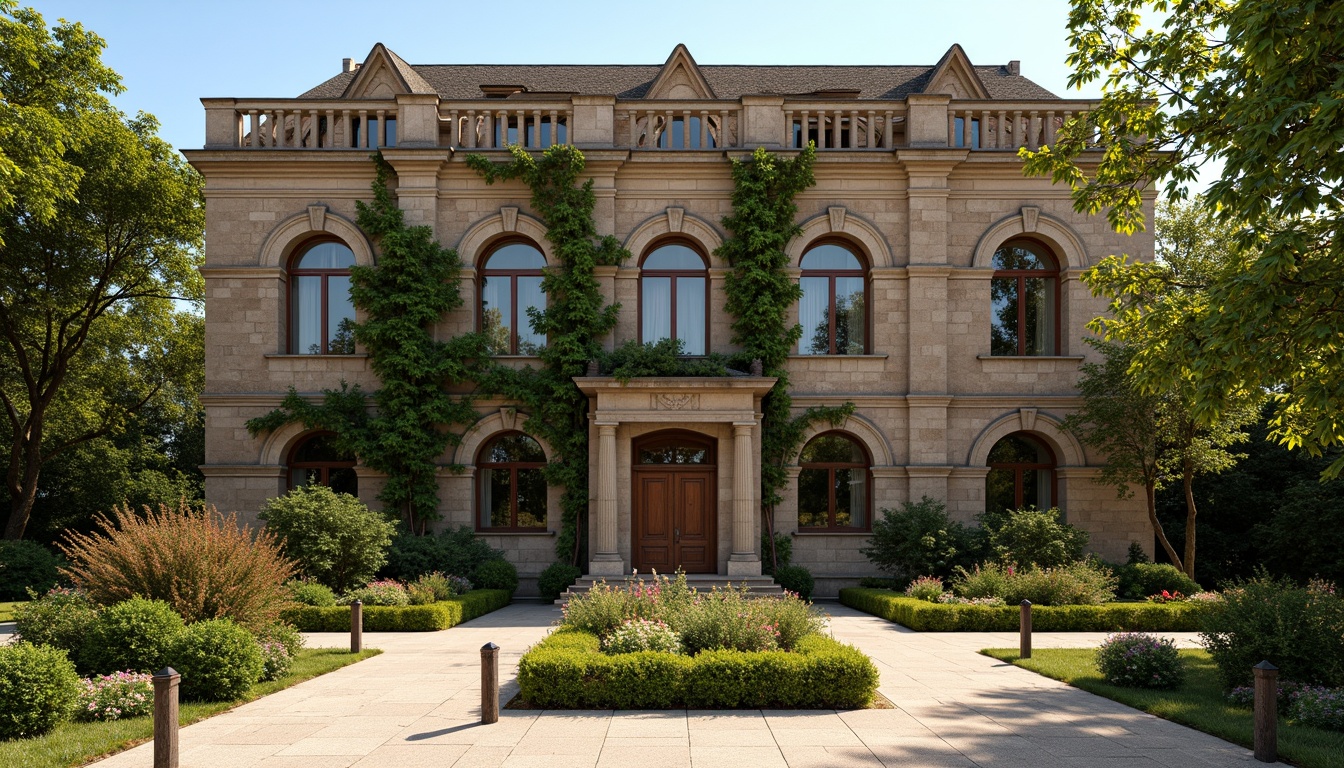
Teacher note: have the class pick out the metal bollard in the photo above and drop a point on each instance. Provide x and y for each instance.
(166, 682)
(1266, 712)
(489, 683)
(1024, 642)
(356, 626)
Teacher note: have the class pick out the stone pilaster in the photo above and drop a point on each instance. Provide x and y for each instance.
(607, 559)
(744, 561)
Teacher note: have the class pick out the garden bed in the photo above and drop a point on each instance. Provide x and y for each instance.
(401, 618)
(568, 670)
(1199, 702)
(924, 616)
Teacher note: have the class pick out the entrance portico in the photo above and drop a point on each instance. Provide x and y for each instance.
(676, 464)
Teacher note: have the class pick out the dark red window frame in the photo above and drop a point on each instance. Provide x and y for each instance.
(519, 313)
(324, 468)
(1021, 275)
(1018, 467)
(293, 303)
(674, 274)
(831, 275)
(830, 468)
(512, 467)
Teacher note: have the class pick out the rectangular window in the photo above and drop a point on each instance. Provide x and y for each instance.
(849, 316)
(372, 127)
(814, 315)
(496, 313)
(1040, 330)
(691, 314)
(306, 321)
(529, 295)
(656, 302)
(1003, 328)
(496, 491)
(340, 316)
(960, 129)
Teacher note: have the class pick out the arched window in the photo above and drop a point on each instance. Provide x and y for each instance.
(1025, 295)
(833, 309)
(673, 286)
(1021, 473)
(833, 484)
(512, 489)
(316, 459)
(510, 285)
(320, 311)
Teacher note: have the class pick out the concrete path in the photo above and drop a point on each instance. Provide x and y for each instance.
(417, 705)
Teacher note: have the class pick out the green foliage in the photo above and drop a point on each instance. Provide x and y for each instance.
(556, 579)
(333, 537)
(496, 574)
(638, 635)
(1298, 629)
(1140, 580)
(279, 644)
(930, 588)
(409, 618)
(797, 579)
(61, 618)
(458, 552)
(306, 592)
(218, 660)
(24, 566)
(385, 592)
(658, 358)
(1032, 537)
(1140, 661)
(1079, 583)
(134, 635)
(574, 322)
(782, 552)
(438, 586)
(38, 689)
(919, 540)
(923, 616)
(568, 670)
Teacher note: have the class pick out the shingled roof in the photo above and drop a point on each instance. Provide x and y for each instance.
(632, 81)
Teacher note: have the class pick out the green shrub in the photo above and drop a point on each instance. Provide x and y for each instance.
(26, 565)
(1298, 629)
(878, 582)
(218, 660)
(556, 579)
(797, 579)
(1081, 583)
(408, 618)
(919, 539)
(1136, 660)
(460, 552)
(983, 580)
(133, 636)
(928, 588)
(1032, 537)
(383, 592)
(923, 616)
(305, 592)
(38, 689)
(638, 635)
(284, 633)
(1140, 580)
(496, 574)
(783, 552)
(61, 618)
(334, 537)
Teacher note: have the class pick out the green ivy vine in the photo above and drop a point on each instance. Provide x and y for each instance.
(760, 294)
(414, 284)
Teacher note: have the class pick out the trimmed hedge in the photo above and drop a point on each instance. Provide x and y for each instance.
(400, 618)
(923, 616)
(569, 671)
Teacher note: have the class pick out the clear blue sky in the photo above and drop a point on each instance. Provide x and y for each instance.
(170, 54)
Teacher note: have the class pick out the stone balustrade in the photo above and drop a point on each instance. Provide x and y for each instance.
(1010, 125)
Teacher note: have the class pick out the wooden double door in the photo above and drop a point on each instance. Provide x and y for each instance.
(674, 512)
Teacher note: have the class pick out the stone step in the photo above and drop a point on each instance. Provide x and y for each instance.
(757, 586)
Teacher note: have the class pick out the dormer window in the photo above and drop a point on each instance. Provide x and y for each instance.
(502, 91)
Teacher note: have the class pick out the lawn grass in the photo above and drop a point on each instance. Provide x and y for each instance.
(1199, 703)
(74, 744)
(7, 610)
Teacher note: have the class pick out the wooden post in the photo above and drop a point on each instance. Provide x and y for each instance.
(166, 682)
(356, 626)
(489, 683)
(1266, 712)
(1024, 642)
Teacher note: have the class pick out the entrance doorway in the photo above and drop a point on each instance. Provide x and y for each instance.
(675, 503)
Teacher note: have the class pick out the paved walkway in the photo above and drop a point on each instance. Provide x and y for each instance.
(417, 705)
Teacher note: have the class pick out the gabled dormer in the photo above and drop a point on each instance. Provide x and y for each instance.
(954, 76)
(383, 75)
(680, 78)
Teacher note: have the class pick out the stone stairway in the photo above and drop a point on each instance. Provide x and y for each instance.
(757, 586)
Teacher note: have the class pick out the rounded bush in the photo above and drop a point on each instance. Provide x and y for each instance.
(38, 689)
(130, 636)
(1140, 580)
(335, 538)
(1137, 660)
(796, 578)
(496, 574)
(311, 593)
(1298, 629)
(384, 592)
(928, 588)
(636, 635)
(61, 618)
(218, 660)
(26, 565)
(556, 579)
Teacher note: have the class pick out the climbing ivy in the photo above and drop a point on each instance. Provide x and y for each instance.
(574, 321)
(414, 284)
(760, 293)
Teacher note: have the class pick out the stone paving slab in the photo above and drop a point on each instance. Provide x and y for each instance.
(417, 704)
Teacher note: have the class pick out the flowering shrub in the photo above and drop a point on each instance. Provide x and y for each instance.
(948, 598)
(1300, 629)
(435, 586)
(1137, 660)
(115, 696)
(1167, 597)
(642, 635)
(928, 588)
(275, 660)
(1205, 597)
(1081, 583)
(1318, 707)
(382, 592)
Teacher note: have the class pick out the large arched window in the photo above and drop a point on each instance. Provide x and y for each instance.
(510, 286)
(320, 311)
(1021, 473)
(833, 309)
(1025, 295)
(317, 460)
(833, 484)
(512, 488)
(673, 288)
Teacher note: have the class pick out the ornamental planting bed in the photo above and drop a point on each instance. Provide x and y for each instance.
(435, 616)
(925, 616)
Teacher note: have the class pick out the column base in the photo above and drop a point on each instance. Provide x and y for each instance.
(744, 565)
(606, 565)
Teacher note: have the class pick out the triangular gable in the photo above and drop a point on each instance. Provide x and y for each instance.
(383, 75)
(954, 75)
(680, 78)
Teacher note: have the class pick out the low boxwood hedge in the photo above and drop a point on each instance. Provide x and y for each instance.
(923, 616)
(400, 618)
(569, 671)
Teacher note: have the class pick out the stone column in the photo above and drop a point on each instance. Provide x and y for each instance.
(607, 559)
(744, 561)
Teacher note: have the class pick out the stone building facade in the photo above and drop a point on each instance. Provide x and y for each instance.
(941, 296)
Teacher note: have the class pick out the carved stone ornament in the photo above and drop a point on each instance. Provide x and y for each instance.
(1028, 416)
(837, 214)
(669, 402)
(509, 217)
(317, 218)
(508, 416)
(1030, 215)
(674, 218)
